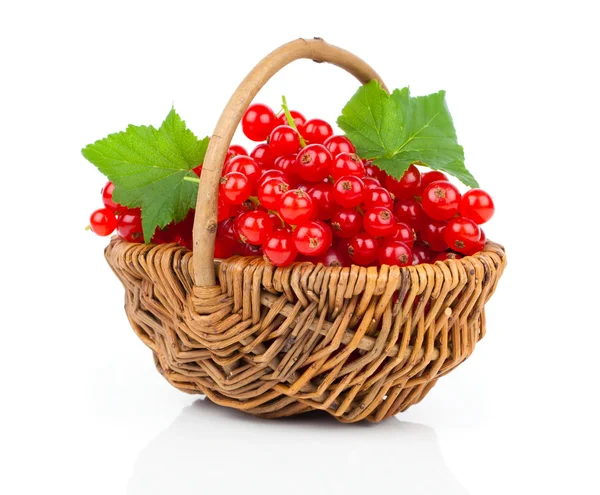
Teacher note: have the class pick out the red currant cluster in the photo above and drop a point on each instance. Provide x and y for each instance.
(304, 194)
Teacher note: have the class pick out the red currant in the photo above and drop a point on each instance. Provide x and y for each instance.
(348, 191)
(313, 163)
(258, 122)
(346, 223)
(235, 188)
(408, 186)
(254, 226)
(129, 226)
(103, 221)
(287, 164)
(410, 212)
(377, 196)
(296, 207)
(432, 233)
(262, 155)
(477, 205)
(312, 238)
(440, 200)
(245, 249)
(447, 256)
(279, 248)
(346, 164)
(235, 150)
(322, 200)
(226, 230)
(362, 249)
(339, 144)
(371, 182)
(224, 248)
(107, 194)
(271, 191)
(271, 174)
(284, 140)
(405, 234)
(462, 235)
(379, 222)
(224, 209)
(429, 177)
(245, 165)
(316, 131)
(332, 257)
(299, 119)
(422, 253)
(395, 253)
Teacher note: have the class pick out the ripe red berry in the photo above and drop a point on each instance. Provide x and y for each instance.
(379, 222)
(312, 238)
(129, 226)
(245, 165)
(271, 174)
(346, 164)
(224, 248)
(410, 212)
(404, 233)
(254, 226)
(299, 120)
(271, 191)
(339, 144)
(235, 150)
(258, 122)
(432, 233)
(395, 253)
(429, 177)
(245, 249)
(279, 248)
(346, 223)
(103, 222)
(362, 249)
(440, 200)
(313, 163)
(422, 253)
(224, 209)
(235, 188)
(371, 183)
(348, 191)
(477, 205)
(262, 155)
(284, 140)
(332, 257)
(316, 131)
(287, 164)
(226, 231)
(462, 235)
(408, 185)
(296, 207)
(378, 196)
(107, 194)
(322, 198)
(447, 256)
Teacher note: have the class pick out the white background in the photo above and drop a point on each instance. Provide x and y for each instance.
(84, 410)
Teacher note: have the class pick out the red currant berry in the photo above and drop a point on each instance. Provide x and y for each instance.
(346, 223)
(312, 238)
(287, 164)
(422, 253)
(462, 235)
(279, 248)
(103, 222)
(284, 140)
(408, 186)
(224, 248)
(226, 231)
(339, 144)
(299, 120)
(405, 234)
(346, 164)
(410, 212)
(440, 200)
(362, 249)
(332, 257)
(378, 196)
(224, 209)
(235, 188)
(313, 163)
(258, 122)
(432, 233)
(316, 131)
(477, 205)
(245, 165)
(262, 155)
(371, 182)
(379, 222)
(447, 256)
(254, 226)
(235, 150)
(296, 207)
(429, 177)
(322, 200)
(348, 191)
(271, 174)
(107, 194)
(271, 191)
(395, 253)
(245, 249)
(129, 226)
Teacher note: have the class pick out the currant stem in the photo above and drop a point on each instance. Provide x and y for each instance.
(192, 179)
(290, 119)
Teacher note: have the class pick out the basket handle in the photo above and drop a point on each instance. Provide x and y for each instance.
(205, 221)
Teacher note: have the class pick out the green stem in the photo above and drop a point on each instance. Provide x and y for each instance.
(290, 120)
(192, 179)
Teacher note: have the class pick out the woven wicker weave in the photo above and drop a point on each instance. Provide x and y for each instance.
(359, 343)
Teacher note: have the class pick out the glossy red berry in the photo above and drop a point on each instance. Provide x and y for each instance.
(477, 205)
(225, 230)
(332, 257)
(107, 194)
(299, 120)
(279, 248)
(129, 226)
(346, 223)
(103, 222)
(245, 165)
(432, 233)
(408, 186)
(422, 253)
(313, 163)
(410, 212)
(235, 150)
(296, 207)
(322, 199)
(348, 191)
(258, 121)
(287, 164)
(284, 140)
(404, 233)
(372, 183)
(262, 155)
(377, 196)
(246, 249)
(433, 176)
(339, 144)
(447, 256)
(440, 200)
(312, 238)
(346, 164)
(379, 222)
(235, 188)
(462, 235)
(362, 249)
(224, 209)
(395, 253)
(271, 174)
(316, 131)
(254, 226)
(224, 248)
(271, 191)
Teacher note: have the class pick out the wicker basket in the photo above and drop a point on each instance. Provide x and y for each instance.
(280, 341)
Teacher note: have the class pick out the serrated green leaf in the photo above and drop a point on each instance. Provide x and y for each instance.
(395, 130)
(148, 167)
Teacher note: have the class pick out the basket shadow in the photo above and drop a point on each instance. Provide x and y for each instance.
(209, 447)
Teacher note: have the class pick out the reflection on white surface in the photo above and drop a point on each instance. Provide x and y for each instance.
(213, 448)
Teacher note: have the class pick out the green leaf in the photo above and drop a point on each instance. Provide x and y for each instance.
(395, 130)
(148, 167)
